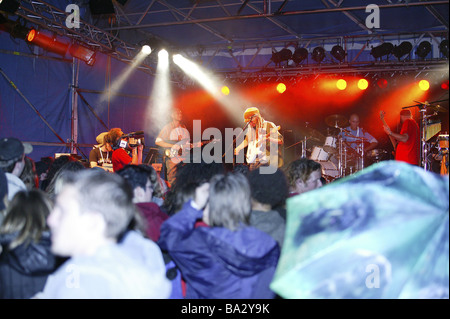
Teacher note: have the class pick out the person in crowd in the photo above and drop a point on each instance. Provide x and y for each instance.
(303, 175)
(12, 161)
(262, 140)
(55, 167)
(29, 175)
(188, 177)
(100, 155)
(92, 211)
(170, 138)
(42, 168)
(221, 256)
(55, 185)
(407, 141)
(120, 148)
(269, 192)
(139, 180)
(25, 260)
(158, 185)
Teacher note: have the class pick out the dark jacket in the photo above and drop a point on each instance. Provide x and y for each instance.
(218, 263)
(154, 217)
(24, 270)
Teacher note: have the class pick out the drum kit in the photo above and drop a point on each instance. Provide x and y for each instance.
(336, 157)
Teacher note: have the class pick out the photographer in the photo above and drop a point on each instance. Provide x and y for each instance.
(122, 145)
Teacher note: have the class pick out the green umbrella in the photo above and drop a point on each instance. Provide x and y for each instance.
(380, 233)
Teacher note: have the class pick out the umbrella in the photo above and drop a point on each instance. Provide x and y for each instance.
(380, 233)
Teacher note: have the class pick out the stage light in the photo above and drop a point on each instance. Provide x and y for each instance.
(382, 50)
(443, 48)
(318, 54)
(49, 43)
(401, 50)
(444, 85)
(299, 55)
(146, 49)
(282, 55)
(225, 90)
(382, 83)
(363, 84)
(338, 52)
(281, 88)
(81, 52)
(424, 85)
(9, 6)
(341, 84)
(423, 49)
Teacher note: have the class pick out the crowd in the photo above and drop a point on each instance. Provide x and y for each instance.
(71, 230)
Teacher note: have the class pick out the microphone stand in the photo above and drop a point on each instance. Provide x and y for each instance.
(234, 141)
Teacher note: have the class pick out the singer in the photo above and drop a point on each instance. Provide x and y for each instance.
(261, 137)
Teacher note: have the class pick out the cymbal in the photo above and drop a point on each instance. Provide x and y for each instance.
(336, 120)
(438, 108)
(314, 134)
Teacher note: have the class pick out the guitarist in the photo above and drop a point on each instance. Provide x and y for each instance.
(407, 141)
(260, 136)
(169, 138)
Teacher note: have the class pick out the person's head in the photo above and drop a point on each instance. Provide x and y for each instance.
(253, 116)
(29, 174)
(188, 177)
(59, 178)
(26, 216)
(100, 139)
(405, 115)
(176, 115)
(139, 180)
(303, 175)
(268, 189)
(12, 154)
(113, 137)
(229, 203)
(354, 121)
(94, 207)
(154, 179)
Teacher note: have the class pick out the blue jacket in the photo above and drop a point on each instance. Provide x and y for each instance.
(217, 263)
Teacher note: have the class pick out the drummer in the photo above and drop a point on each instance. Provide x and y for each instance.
(353, 135)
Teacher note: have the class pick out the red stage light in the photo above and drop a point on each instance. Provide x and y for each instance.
(47, 42)
(444, 85)
(382, 83)
(85, 54)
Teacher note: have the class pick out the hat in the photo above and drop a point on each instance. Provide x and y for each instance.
(250, 112)
(405, 112)
(100, 138)
(3, 189)
(11, 149)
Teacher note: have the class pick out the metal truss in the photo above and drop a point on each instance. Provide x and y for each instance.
(53, 19)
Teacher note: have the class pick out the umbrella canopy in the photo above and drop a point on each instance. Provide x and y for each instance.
(380, 233)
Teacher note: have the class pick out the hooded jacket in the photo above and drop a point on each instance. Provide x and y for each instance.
(218, 263)
(24, 270)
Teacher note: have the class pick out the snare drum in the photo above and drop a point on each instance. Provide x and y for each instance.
(318, 154)
(443, 141)
(329, 170)
(330, 144)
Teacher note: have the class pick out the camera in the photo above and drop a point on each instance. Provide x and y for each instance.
(132, 140)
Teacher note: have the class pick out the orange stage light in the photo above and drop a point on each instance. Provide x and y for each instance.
(225, 90)
(47, 42)
(424, 85)
(281, 88)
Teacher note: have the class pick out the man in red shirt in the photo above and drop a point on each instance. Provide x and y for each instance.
(120, 157)
(408, 140)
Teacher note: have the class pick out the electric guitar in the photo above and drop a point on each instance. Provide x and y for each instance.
(254, 147)
(174, 153)
(393, 140)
